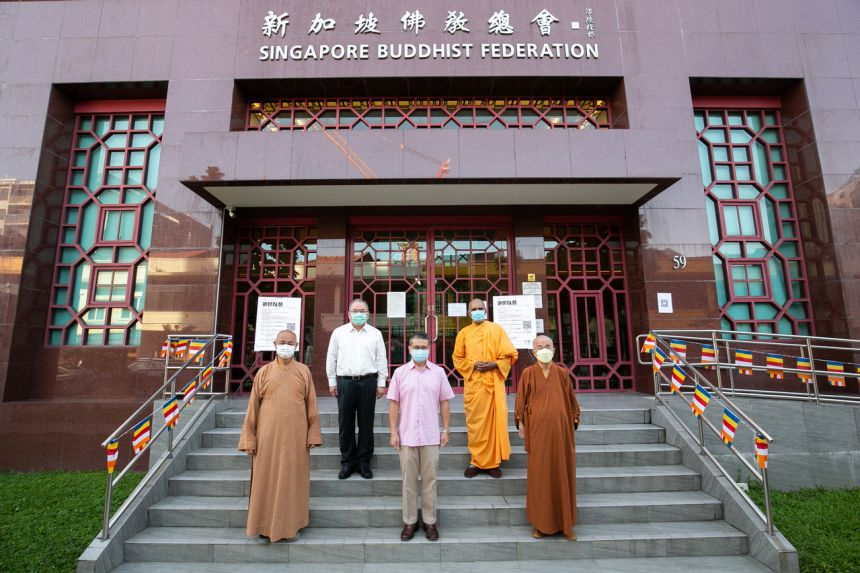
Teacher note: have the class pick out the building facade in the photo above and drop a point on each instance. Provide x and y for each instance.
(634, 164)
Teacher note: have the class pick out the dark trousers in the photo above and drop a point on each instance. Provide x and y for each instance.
(356, 396)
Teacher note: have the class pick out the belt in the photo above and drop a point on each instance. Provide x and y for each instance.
(359, 377)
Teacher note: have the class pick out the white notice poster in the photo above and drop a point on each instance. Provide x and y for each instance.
(539, 325)
(396, 304)
(274, 314)
(534, 288)
(457, 309)
(664, 302)
(516, 314)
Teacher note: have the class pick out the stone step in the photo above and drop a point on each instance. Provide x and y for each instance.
(586, 435)
(452, 457)
(722, 564)
(386, 511)
(234, 417)
(450, 482)
(382, 544)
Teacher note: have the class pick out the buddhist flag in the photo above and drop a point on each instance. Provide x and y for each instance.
(804, 364)
(709, 355)
(835, 373)
(658, 357)
(226, 354)
(678, 378)
(194, 347)
(730, 426)
(761, 451)
(165, 349)
(744, 358)
(170, 409)
(140, 434)
(205, 378)
(700, 400)
(112, 455)
(775, 364)
(189, 392)
(180, 348)
(649, 344)
(679, 349)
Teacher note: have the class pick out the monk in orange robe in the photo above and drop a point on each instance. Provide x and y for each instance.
(281, 426)
(547, 414)
(483, 355)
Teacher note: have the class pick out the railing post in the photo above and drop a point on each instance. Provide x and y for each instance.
(717, 358)
(767, 501)
(701, 434)
(812, 371)
(106, 521)
(731, 370)
(169, 441)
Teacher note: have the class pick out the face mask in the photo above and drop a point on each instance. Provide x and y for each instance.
(478, 315)
(420, 354)
(358, 318)
(285, 351)
(545, 355)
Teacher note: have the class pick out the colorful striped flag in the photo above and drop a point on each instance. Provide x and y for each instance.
(658, 357)
(165, 349)
(730, 426)
(648, 344)
(775, 364)
(709, 356)
(180, 348)
(170, 409)
(206, 378)
(858, 371)
(835, 373)
(195, 346)
(804, 364)
(226, 354)
(679, 350)
(189, 392)
(744, 358)
(761, 451)
(678, 377)
(112, 455)
(140, 434)
(700, 400)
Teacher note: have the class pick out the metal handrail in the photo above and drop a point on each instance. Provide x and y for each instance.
(704, 422)
(146, 408)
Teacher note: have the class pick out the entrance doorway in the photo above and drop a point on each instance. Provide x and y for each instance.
(436, 267)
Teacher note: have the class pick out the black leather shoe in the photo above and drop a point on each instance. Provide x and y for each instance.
(408, 531)
(345, 471)
(431, 531)
(365, 472)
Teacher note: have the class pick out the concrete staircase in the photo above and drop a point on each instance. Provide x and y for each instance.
(635, 501)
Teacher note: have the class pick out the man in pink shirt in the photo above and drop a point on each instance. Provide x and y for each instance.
(418, 391)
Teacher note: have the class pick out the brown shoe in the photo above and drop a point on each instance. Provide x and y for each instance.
(537, 534)
(570, 536)
(470, 472)
(494, 473)
(431, 531)
(408, 531)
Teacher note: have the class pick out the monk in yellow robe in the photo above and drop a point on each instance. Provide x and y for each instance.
(483, 355)
(547, 414)
(281, 426)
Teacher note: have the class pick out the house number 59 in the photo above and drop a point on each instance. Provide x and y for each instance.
(679, 262)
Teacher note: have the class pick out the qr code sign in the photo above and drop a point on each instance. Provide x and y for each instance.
(290, 326)
(527, 325)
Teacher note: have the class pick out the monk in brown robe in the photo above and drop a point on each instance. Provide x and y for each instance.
(483, 355)
(547, 414)
(281, 425)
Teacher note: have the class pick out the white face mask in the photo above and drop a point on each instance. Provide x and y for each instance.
(545, 354)
(285, 351)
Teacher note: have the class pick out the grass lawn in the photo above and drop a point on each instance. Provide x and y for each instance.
(823, 524)
(47, 519)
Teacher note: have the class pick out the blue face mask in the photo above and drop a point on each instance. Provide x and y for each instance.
(420, 354)
(478, 315)
(358, 318)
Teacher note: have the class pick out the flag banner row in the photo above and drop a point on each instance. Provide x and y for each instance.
(761, 451)
(112, 450)
(700, 400)
(730, 426)
(170, 411)
(775, 364)
(141, 434)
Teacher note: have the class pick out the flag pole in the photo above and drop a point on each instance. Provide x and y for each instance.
(108, 492)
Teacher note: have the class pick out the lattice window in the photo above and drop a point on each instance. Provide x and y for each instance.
(427, 113)
(758, 257)
(271, 261)
(106, 229)
(587, 303)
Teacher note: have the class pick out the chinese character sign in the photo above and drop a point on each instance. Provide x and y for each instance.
(274, 314)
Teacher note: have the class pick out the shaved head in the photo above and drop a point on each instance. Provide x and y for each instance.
(542, 341)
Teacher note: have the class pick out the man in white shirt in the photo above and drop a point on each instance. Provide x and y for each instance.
(357, 369)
